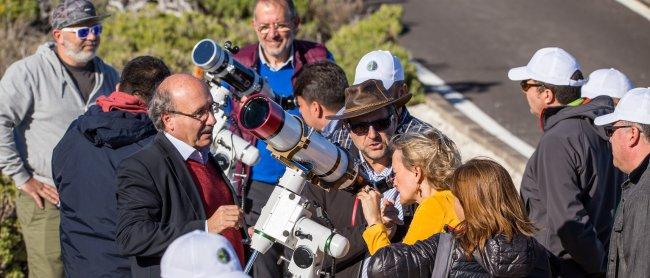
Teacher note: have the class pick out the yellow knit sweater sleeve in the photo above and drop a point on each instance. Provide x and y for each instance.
(376, 236)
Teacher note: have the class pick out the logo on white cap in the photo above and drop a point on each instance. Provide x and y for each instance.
(372, 65)
(379, 65)
(633, 107)
(608, 82)
(550, 65)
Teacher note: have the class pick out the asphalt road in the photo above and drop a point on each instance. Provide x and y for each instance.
(471, 45)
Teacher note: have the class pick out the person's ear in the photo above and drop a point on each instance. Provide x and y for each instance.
(634, 136)
(56, 35)
(417, 170)
(168, 121)
(316, 109)
(548, 96)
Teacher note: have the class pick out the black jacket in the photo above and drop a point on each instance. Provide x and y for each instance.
(629, 253)
(157, 201)
(338, 205)
(522, 257)
(569, 188)
(83, 168)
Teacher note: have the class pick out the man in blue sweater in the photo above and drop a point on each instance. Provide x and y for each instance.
(278, 57)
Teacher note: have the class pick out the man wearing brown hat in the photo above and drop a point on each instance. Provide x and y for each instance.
(387, 68)
(371, 116)
(39, 97)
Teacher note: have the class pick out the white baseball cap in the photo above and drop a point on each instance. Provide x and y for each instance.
(380, 65)
(608, 82)
(633, 107)
(550, 65)
(200, 255)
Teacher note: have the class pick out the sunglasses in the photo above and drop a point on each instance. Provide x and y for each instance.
(609, 130)
(362, 128)
(525, 85)
(84, 32)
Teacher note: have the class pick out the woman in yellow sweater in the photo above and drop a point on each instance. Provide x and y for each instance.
(421, 163)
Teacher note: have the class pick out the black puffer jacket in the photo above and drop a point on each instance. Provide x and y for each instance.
(523, 257)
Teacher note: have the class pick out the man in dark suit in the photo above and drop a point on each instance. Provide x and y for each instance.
(174, 186)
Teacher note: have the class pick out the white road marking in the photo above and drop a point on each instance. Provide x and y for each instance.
(636, 7)
(470, 110)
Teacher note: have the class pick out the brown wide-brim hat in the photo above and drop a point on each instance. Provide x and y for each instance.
(367, 97)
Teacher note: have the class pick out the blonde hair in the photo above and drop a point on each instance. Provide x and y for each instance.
(430, 150)
(490, 203)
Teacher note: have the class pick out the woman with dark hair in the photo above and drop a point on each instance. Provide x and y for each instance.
(494, 239)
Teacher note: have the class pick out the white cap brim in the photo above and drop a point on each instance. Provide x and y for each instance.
(607, 119)
(520, 73)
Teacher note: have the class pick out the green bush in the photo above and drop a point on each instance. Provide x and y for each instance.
(13, 259)
(227, 8)
(18, 10)
(377, 31)
(170, 37)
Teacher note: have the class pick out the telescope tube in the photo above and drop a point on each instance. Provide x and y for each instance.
(284, 133)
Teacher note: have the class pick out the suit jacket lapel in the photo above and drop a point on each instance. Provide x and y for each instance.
(179, 169)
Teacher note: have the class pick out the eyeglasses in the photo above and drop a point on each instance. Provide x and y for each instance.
(83, 32)
(525, 85)
(363, 127)
(609, 130)
(201, 115)
(281, 27)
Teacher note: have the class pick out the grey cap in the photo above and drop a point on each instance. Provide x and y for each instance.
(72, 12)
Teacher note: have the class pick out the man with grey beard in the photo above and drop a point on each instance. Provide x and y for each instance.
(40, 96)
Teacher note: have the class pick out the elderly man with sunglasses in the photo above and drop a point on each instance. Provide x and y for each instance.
(40, 96)
(628, 128)
(569, 185)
